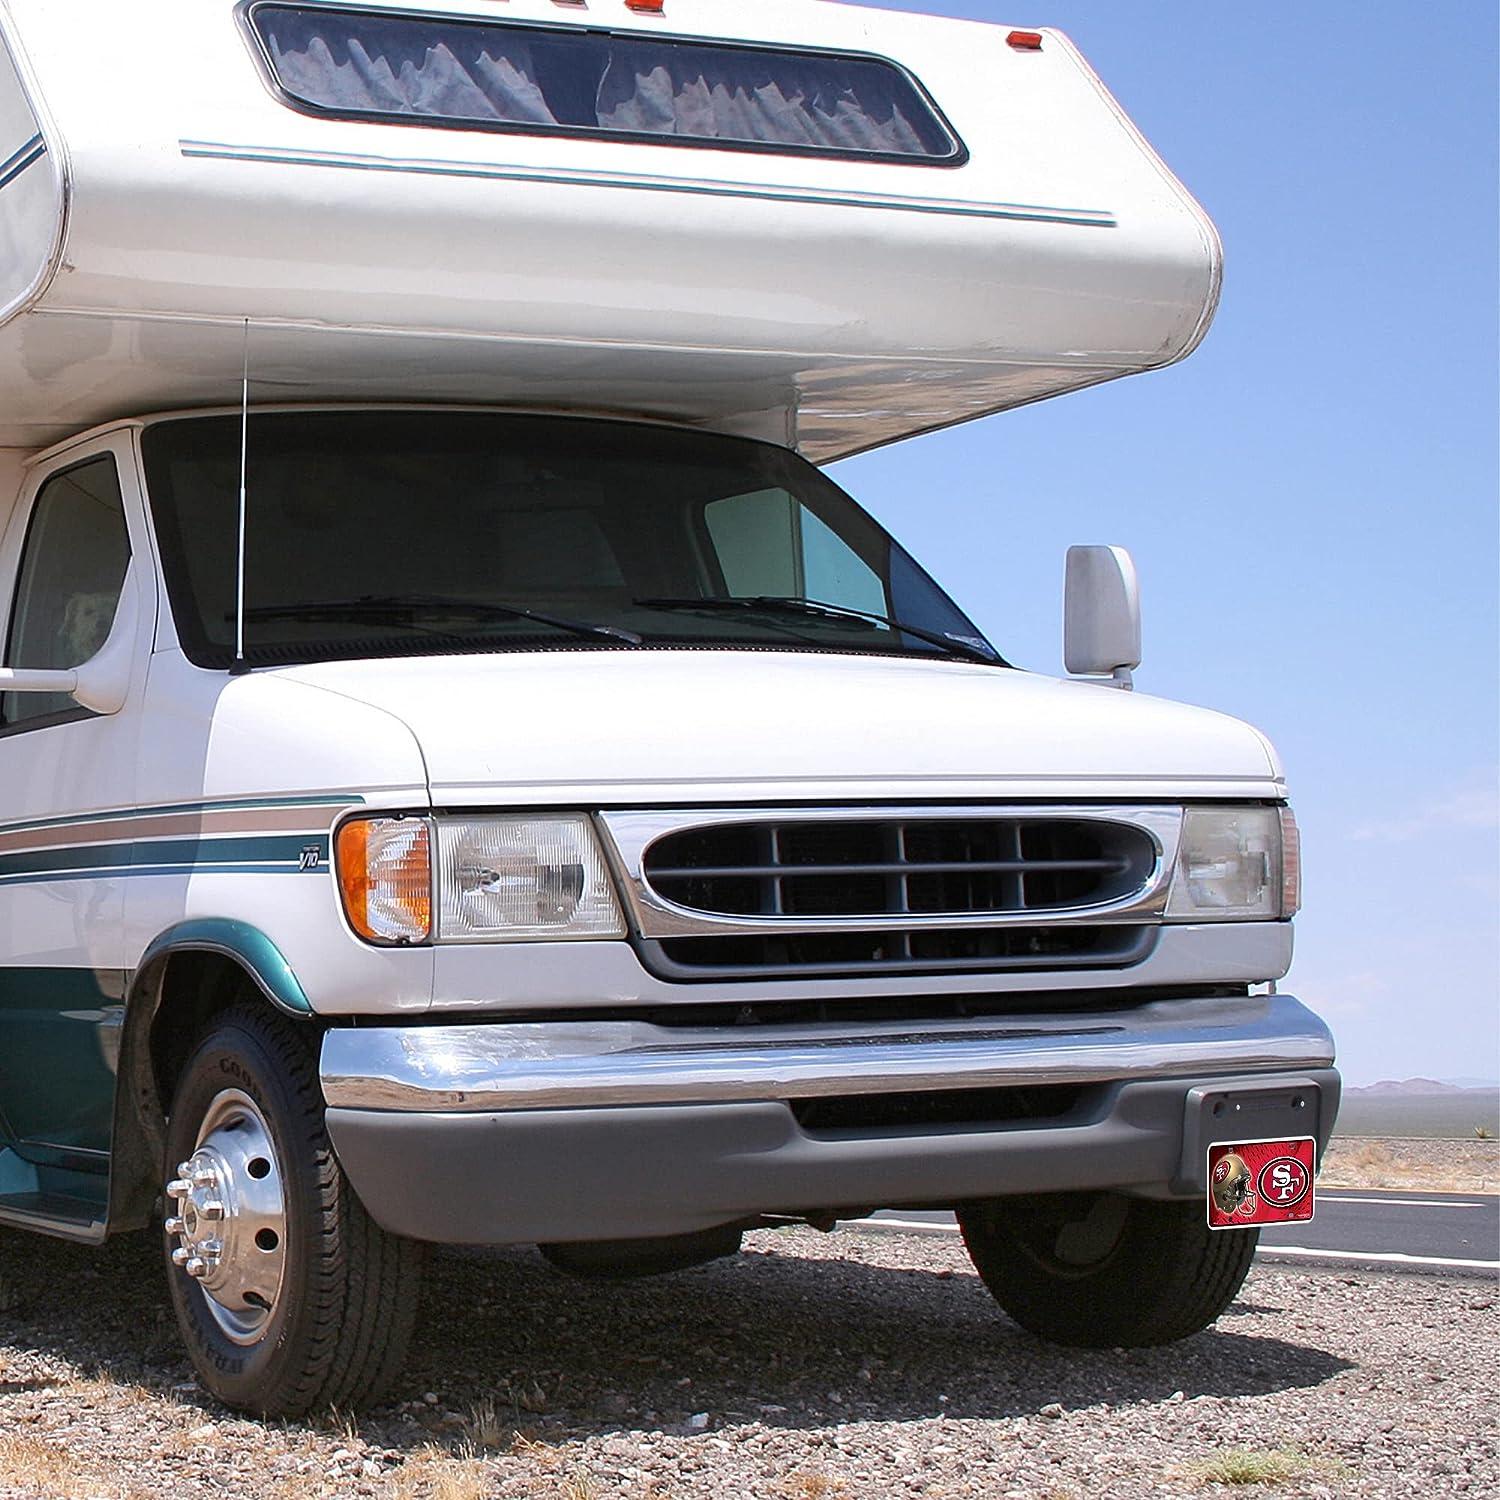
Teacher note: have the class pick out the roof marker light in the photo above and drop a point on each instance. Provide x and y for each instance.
(652, 7)
(1022, 41)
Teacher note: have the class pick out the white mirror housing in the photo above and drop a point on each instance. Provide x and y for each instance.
(102, 683)
(1101, 614)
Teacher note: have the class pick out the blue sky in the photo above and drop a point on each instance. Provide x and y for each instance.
(1311, 497)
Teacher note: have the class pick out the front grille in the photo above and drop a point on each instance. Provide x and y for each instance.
(976, 950)
(877, 867)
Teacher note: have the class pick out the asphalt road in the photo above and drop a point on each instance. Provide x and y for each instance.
(1427, 1227)
(1424, 1232)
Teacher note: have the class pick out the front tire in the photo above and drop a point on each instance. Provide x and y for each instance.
(289, 1297)
(1101, 1270)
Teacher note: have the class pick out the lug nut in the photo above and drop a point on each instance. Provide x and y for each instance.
(179, 1187)
(213, 1209)
(204, 1177)
(196, 1267)
(211, 1250)
(184, 1168)
(175, 1225)
(180, 1255)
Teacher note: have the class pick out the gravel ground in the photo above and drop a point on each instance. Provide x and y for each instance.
(1411, 1163)
(855, 1366)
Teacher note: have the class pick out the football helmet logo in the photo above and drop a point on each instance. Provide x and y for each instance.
(1231, 1183)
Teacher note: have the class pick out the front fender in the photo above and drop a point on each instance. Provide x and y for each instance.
(248, 946)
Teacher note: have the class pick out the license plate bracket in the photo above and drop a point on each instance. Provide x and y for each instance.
(1282, 1107)
(1261, 1182)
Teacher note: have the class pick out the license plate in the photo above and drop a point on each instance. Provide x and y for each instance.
(1260, 1182)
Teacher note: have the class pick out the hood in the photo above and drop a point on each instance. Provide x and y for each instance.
(599, 727)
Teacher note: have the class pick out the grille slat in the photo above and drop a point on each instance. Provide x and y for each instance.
(894, 866)
(897, 892)
(1014, 890)
(771, 901)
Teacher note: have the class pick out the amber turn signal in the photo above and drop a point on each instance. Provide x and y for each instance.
(385, 878)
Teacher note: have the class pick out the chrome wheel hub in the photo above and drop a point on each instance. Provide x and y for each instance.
(228, 1215)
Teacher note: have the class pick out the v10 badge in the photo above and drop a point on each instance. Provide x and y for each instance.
(1261, 1182)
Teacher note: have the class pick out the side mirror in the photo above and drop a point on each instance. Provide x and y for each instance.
(102, 683)
(1101, 614)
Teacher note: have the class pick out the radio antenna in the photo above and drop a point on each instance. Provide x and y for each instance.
(239, 568)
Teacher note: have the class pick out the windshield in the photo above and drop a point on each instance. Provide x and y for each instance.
(383, 533)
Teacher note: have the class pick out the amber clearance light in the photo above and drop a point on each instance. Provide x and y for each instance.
(385, 878)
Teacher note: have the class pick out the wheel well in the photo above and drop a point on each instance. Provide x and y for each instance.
(174, 999)
(195, 987)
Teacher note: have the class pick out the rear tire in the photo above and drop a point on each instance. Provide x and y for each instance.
(289, 1297)
(1100, 1270)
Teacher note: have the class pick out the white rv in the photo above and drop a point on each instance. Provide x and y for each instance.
(467, 775)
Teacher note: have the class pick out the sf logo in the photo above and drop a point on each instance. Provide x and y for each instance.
(1283, 1182)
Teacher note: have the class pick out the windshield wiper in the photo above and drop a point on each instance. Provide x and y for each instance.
(960, 645)
(387, 606)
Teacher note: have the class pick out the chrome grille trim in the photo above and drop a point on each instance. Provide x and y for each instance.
(629, 834)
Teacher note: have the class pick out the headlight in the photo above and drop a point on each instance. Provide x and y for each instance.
(385, 878)
(503, 878)
(1236, 863)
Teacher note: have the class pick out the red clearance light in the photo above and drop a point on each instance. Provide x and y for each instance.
(1022, 41)
(654, 7)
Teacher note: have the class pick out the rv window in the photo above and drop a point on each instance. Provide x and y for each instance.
(433, 70)
(72, 570)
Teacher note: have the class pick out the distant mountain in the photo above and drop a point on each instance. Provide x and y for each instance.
(1473, 1083)
(1420, 1088)
(1421, 1107)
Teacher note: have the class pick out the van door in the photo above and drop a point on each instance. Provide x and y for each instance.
(77, 541)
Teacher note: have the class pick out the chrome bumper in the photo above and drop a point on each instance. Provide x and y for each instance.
(472, 1068)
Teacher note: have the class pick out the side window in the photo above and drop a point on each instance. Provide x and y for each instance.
(769, 543)
(72, 569)
(835, 572)
(756, 538)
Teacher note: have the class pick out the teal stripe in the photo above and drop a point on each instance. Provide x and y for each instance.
(163, 856)
(29, 154)
(1099, 218)
(126, 873)
(119, 815)
(226, 851)
(102, 857)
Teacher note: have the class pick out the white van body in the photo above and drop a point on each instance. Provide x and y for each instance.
(168, 222)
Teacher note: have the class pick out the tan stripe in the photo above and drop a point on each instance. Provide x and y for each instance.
(171, 825)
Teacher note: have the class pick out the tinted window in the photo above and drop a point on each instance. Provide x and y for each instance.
(72, 570)
(567, 80)
(378, 533)
(771, 543)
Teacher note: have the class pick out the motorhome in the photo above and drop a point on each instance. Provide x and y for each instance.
(469, 776)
